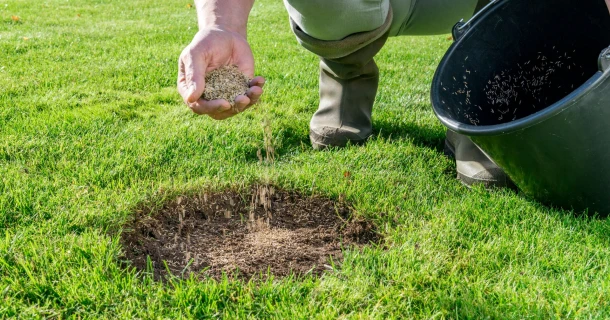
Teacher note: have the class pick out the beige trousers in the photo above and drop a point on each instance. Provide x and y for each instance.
(332, 20)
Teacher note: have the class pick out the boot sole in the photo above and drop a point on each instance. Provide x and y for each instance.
(323, 147)
(341, 144)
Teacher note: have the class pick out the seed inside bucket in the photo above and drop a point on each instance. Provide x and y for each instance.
(226, 83)
(510, 94)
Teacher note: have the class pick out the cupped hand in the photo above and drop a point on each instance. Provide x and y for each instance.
(209, 50)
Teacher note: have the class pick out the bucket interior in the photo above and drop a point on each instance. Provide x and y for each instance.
(520, 57)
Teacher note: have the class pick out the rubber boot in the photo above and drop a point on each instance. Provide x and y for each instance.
(473, 165)
(348, 87)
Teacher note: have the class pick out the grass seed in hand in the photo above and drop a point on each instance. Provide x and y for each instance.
(227, 83)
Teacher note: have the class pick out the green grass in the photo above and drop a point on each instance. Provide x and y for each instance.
(91, 126)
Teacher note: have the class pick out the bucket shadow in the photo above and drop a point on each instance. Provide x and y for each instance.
(581, 214)
(433, 138)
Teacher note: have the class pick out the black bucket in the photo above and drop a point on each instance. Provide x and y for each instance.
(525, 81)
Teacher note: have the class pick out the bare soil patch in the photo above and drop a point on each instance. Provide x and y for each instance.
(249, 232)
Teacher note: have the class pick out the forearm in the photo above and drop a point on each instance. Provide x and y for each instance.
(230, 15)
(608, 3)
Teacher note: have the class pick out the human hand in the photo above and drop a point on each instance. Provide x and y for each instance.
(210, 49)
(608, 4)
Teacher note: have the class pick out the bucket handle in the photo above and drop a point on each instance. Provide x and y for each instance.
(460, 28)
(604, 60)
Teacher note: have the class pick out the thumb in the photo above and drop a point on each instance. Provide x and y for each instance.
(195, 76)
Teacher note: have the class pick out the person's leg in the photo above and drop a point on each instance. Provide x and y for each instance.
(348, 87)
(429, 17)
(332, 20)
(348, 74)
(473, 166)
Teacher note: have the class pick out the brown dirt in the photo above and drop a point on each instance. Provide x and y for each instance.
(252, 232)
(225, 83)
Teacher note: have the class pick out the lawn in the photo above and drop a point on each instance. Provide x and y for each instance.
(91, 128)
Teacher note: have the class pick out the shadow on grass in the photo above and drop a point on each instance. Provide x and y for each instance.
(286, 138)
(421, 136)
(433, 138)
(292, 137)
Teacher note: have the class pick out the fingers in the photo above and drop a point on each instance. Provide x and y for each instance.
(223, 115)
(181, 82)
(243, 102)
(191, 75)
(221, 109)
(191, 84)
(209, 107)
(260, 81)
(254, 93)
(256, 90)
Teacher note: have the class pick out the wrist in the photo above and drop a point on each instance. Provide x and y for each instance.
(241, 30)
(227, 15)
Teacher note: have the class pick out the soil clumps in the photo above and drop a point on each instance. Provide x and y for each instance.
(253, 232)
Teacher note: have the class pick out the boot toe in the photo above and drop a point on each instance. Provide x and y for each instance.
(490, 178)
(328, 137)
(473, 165)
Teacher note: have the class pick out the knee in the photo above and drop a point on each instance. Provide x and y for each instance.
(347, 45)
(332, 20)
